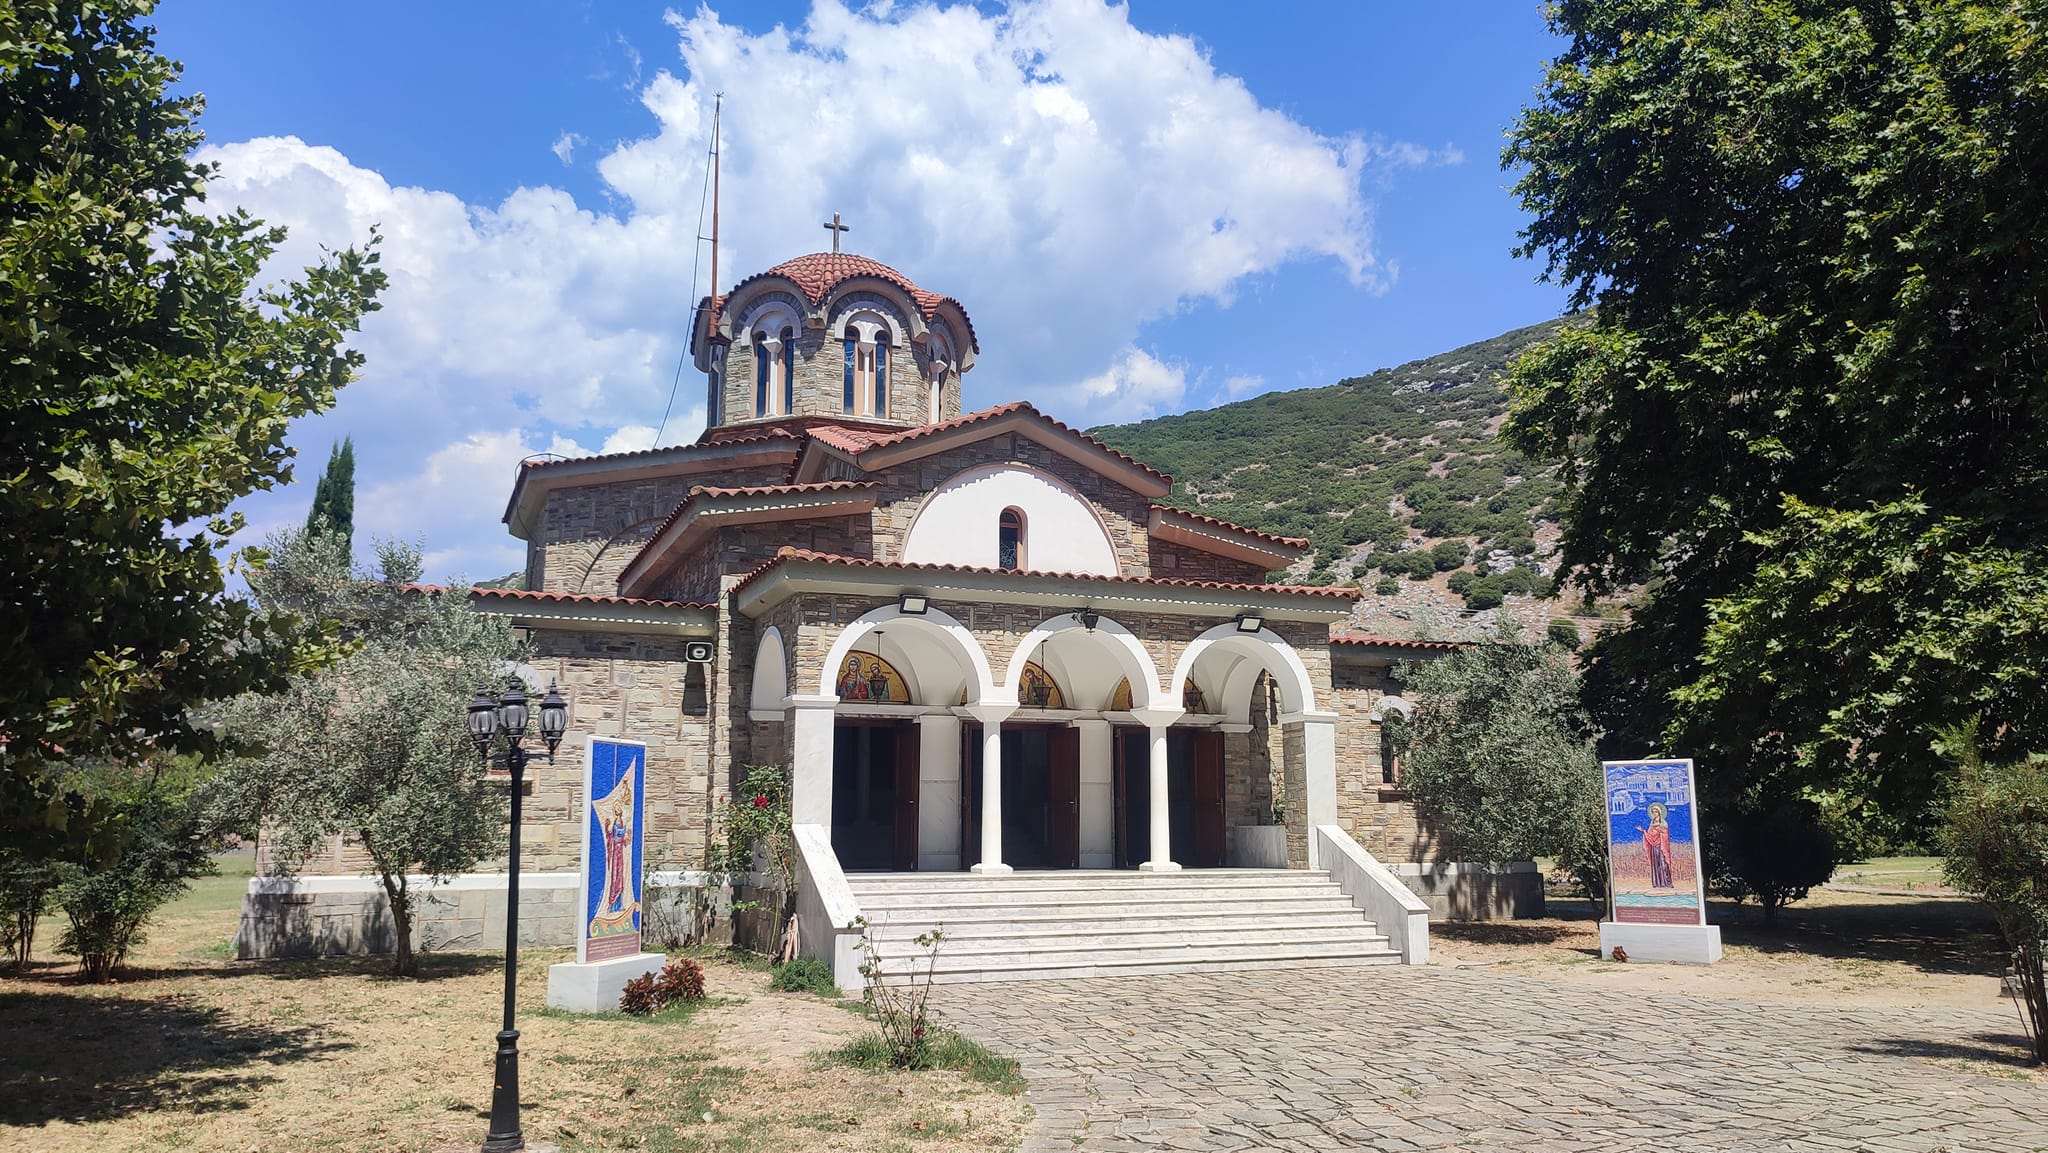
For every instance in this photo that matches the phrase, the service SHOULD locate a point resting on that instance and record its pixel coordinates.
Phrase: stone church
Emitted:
(1016, 690)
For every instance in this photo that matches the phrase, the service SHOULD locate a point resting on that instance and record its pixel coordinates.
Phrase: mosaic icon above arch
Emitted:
(1036, 689)
(867, 677)
(1120, 697)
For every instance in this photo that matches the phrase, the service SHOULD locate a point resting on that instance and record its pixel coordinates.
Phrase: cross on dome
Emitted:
(836, 228)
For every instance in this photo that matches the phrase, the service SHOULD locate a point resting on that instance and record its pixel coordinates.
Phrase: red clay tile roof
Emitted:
(1395, 642)
(701, 490)
(788, 553)
(905, 436)
(818, 273)
(764, 435)
(847, 438)
(1214, 522)
(579, 599)
(559, 598)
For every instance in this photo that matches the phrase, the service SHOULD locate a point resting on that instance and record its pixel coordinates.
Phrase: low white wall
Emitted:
(1257, 847)
(1400, 914)
(332, 916)
(826, 909)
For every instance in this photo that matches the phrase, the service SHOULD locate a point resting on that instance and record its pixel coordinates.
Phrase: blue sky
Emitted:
(1144, 209)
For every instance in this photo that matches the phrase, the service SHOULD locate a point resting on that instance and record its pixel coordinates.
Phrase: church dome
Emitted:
(832, 336)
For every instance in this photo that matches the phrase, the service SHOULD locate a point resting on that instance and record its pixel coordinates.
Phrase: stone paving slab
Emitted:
(1409, 1059)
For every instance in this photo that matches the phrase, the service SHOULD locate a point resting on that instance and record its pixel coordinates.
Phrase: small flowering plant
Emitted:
(902, 1012)
(756, 817)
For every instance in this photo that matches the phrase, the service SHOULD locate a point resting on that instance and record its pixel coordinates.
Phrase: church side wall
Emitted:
(737, 550)
(629, 687)
(1378, 816)
(1179, 562)
(590, 533)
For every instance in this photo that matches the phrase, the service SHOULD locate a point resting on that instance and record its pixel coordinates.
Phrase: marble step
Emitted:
(1085, 879)
(1102, 940)
(997, 922)
(1090, 963)
(952, 898)
(934, 908)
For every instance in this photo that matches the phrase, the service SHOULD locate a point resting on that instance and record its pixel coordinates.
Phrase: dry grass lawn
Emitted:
(193, 1051)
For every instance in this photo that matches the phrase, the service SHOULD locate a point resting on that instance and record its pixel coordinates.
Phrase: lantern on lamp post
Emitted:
(489, 719)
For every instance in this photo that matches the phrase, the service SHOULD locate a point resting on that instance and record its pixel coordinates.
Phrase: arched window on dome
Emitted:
(878, 371)
(866, 388)
(762, 372)
(788, 370)
(1010, 540)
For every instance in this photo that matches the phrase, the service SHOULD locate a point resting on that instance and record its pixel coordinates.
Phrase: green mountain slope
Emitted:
(1398, 471)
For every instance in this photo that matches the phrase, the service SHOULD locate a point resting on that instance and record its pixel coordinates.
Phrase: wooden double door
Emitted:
(874, 795)
(1194, 797)
(1041, 783)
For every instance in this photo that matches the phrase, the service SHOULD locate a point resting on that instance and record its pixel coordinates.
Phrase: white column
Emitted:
(938, 792)
(810, 799)
(991, 717)
(1098, 793)
(1156, 722)
(1319, 772)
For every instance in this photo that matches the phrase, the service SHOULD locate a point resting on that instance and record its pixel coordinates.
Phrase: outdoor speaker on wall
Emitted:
(698, 652)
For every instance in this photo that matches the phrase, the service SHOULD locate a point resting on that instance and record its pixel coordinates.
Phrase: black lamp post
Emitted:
(507, 717)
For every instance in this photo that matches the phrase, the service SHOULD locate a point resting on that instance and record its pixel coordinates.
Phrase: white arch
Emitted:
(867, 311)
(770, 317)
(771, 675)
(1125, 649)
(963, 643)
(1265, 648)
(1237, 691)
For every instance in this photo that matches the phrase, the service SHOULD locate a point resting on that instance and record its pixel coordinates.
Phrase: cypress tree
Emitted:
(334, 499)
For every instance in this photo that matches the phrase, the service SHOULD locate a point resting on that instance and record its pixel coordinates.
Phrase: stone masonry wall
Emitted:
(1180, 562)
(736, 550)
(630, 687)
(820, 388)
(1378, 816)
(590, 533)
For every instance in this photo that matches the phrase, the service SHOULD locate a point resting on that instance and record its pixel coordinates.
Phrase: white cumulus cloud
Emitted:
(1067, 176)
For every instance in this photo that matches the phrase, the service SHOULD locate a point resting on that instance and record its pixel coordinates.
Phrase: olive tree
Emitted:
(374, 746)
(1500, 754)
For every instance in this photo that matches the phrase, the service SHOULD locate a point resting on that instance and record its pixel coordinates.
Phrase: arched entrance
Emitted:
(885, 775)
(1058, 771)
(1262, 746)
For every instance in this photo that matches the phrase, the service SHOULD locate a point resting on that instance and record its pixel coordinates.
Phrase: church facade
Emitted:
(979, 641)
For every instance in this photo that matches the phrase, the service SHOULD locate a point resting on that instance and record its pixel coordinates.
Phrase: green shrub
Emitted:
(26, 890)
(1564, 631)
(1387, 586)
(1449, 554)
(804, 975)
(1774, 851)
(108, 899)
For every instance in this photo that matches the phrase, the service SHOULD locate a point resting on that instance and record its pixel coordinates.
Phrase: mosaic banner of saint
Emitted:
(615, 782)
(866, 677)
(1653, 852)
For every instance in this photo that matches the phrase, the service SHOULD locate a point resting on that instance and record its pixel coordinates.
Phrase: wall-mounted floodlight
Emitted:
(913, 604)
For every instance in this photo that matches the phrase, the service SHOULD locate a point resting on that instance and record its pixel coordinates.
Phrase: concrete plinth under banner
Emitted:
(594, 986)
(1685, 944)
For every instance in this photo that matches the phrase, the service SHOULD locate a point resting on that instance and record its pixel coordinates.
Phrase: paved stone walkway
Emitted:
(1400, 1059)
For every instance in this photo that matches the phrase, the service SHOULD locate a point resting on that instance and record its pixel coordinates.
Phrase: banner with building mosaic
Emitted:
(615, 788)
(1653, 843)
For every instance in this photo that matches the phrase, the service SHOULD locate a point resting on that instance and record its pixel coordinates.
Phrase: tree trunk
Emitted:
(399, 895)
(2032, 994)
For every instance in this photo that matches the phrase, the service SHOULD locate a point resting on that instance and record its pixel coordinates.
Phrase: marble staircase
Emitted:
(1031, 926)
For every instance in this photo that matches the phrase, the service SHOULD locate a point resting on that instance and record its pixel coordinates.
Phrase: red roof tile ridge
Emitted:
(1016, 406)
(791, 552)
(769, 434)
(783, 489)
(1393, 642)
(1219, 522)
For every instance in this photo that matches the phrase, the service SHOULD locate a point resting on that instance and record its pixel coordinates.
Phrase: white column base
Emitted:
(1159, 866)
(1684, 944)
(594, 987)
(985, 868)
